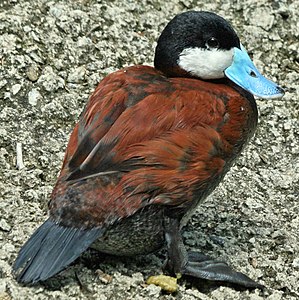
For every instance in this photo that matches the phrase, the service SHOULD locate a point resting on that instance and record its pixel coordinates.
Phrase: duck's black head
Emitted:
(204, 45)
(197, 42)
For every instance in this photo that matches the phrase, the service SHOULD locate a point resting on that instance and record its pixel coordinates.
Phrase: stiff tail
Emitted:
(50, 249)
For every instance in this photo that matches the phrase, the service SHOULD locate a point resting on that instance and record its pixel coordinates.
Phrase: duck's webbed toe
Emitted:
(204, 267)
(198, 265)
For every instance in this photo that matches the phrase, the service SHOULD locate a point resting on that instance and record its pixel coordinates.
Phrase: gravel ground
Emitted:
(53, 53)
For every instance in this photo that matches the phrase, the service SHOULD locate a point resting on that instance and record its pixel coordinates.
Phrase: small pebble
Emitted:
(105, 278)
(34, 96)
(4, 225)
(295, 263)
(15, 88)
(32, 73)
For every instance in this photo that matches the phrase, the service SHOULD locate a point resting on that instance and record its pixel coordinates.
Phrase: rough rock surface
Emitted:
(53, 53)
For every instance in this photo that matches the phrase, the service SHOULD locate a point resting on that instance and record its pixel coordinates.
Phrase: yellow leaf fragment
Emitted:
(167, 283)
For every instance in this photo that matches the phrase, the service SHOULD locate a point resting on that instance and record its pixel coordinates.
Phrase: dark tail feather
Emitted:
(50, 249)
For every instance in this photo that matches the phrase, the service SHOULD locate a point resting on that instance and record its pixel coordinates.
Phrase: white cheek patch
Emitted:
(204, 63)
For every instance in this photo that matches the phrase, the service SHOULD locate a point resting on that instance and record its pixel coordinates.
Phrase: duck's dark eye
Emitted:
(212, 43)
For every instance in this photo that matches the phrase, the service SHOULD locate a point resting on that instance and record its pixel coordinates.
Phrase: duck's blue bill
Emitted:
(244, 73)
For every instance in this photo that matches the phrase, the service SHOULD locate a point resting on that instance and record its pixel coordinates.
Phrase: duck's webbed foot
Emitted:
(199, 265)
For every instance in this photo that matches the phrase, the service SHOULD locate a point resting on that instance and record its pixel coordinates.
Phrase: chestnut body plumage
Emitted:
(150, 145)
(167, 143)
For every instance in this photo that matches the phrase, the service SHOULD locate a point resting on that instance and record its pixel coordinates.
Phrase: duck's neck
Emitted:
(243, 118)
